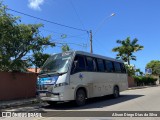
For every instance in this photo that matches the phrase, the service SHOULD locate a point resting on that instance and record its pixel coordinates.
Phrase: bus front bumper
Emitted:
(39, 92)
(50, 96)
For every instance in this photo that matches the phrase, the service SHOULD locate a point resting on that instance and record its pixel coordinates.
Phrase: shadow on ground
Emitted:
(98, 102)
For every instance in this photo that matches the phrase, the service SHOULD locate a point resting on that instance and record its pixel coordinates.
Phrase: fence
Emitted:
(131, 82)
(17, 85)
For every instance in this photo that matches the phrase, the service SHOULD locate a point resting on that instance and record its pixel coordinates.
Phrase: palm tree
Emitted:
(65, 48)
(127, 48)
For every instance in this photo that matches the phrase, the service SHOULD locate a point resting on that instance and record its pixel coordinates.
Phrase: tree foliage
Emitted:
(16, 40)
(38, 59)
(126, 49)
(130, 70)
(155, 65)
(65, 48)
(143, 80)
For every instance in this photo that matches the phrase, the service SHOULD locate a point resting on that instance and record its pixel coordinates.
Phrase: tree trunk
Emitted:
(36, 69)
(128, 60)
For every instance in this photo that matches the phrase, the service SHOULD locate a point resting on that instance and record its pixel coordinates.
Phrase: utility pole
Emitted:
(91, 48)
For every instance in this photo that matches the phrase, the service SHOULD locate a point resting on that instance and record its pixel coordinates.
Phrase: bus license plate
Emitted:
(42, 94)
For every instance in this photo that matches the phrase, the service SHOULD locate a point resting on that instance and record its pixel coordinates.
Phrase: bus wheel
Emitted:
(80, 97)
(116, 92)
(51, 103)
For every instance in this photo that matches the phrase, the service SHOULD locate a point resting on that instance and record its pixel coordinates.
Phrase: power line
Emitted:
(82, 45)
(52, 23)
(70, 36)
(78, 16)
(80, 20)
(47, 30)
(46, 20)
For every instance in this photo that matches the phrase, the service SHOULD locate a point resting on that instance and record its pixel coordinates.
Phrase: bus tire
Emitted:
(116, 92)
(52, 103)
(80, 97)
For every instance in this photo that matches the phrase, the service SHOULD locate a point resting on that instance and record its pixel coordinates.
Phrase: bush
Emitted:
(142, 80)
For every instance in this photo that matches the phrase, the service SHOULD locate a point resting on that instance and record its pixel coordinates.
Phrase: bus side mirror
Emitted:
(75, 64)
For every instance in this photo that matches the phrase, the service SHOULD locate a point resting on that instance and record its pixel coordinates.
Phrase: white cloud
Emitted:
(35, 4)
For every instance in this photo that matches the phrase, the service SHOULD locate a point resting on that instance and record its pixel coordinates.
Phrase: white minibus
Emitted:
(78, 75)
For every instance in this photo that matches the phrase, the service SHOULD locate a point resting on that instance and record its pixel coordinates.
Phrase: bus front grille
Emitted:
(44, 87)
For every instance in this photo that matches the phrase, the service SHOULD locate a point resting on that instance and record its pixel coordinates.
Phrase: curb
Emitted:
(141, 87)
(17, 103)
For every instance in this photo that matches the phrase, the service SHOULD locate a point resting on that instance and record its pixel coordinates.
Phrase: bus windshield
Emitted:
(57, 63)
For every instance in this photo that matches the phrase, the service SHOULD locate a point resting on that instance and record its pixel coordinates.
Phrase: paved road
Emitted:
(147, 99)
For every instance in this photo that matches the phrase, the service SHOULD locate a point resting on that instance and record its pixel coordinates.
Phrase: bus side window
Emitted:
(78, 64)
(90, 64)
(109, 66)
(117, 67)
(100, 65)
(94, 65)
(123, 69)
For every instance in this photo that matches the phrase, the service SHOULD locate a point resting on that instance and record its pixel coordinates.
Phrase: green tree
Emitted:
(139, 72)
(130, 70)
(38, 59)
(65, 48)
(16, 40)
(155, 65)
(126, 49)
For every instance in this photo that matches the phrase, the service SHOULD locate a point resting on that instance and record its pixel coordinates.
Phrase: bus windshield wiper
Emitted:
(52, 73)
(58, 73)
(61, 73)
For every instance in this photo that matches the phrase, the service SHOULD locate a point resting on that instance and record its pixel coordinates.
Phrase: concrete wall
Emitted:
(158, 79)
(131, 82)
(17, 85)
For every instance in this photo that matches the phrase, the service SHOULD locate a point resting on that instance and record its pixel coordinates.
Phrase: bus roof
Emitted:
(97, 56)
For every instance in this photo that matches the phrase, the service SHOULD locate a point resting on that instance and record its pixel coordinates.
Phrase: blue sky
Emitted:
(135, 18)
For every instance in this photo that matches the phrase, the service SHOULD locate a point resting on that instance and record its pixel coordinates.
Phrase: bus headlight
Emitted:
(60, 84)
